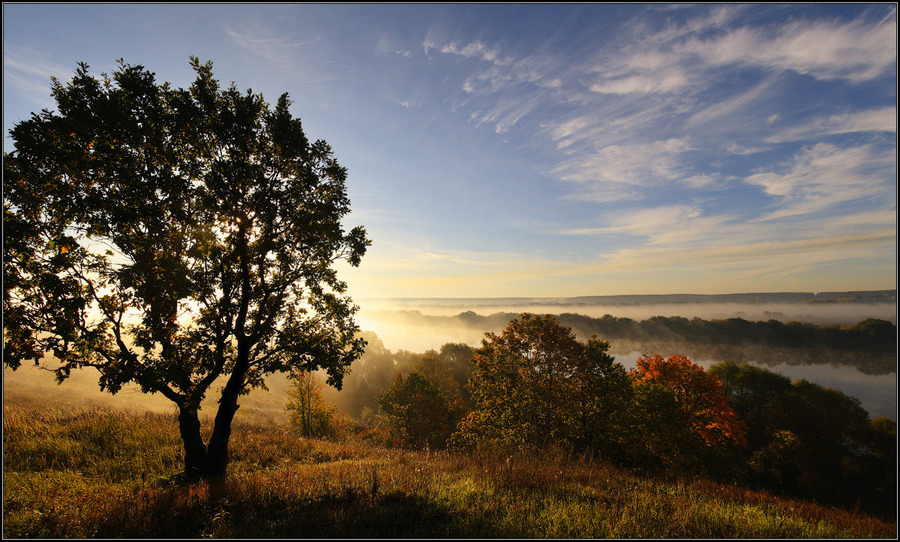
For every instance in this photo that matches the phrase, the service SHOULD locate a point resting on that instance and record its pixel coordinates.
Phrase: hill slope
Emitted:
(100, 473)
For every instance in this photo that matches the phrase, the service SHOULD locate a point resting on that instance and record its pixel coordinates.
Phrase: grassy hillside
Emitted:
(72, 472)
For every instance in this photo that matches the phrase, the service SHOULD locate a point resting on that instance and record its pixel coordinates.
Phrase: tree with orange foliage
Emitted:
(688, 423)
(699, 395)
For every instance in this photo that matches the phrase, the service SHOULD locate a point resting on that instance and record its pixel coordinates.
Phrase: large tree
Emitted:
(535, 386)
(172, 238)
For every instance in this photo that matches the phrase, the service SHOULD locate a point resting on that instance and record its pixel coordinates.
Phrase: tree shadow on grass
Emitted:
(182, 513)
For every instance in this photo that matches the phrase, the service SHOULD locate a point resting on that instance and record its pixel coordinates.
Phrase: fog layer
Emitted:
(398, 325)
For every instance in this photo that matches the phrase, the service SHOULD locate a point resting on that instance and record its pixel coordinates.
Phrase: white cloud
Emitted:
(644, 83)
(475, 49)
(671, 225)
(730, 106)
(874, 120)
(824, 176)
(854, 51)
(623, 171)
(734, 148)
(29, 72)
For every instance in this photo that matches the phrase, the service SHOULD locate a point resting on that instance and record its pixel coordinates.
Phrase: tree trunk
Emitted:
(217, 452)
(203, 461)
(195, 453)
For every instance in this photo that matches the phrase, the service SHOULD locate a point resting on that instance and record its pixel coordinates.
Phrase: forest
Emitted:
(869, 345)
(535, 386)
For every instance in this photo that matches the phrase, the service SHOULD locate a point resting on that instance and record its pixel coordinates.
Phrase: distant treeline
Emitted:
(870, 345)
(870, 335)
(859, 297)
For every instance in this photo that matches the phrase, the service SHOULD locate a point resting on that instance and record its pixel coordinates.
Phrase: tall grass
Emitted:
(100, 473)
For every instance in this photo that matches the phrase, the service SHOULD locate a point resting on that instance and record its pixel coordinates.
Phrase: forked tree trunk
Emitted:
(210, 461)
(217, 451)
(202, 461)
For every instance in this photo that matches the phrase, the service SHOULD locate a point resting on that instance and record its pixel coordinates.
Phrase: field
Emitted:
(97, 472)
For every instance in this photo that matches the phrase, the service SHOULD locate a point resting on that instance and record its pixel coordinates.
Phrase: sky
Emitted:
(551, 150)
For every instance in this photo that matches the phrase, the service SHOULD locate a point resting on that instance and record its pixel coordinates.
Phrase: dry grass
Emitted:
(104, 473)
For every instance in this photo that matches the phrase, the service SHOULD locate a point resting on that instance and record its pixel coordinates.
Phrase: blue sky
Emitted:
(552, 150)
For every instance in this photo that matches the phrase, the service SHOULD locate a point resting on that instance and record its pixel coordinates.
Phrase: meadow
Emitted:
(82, 472)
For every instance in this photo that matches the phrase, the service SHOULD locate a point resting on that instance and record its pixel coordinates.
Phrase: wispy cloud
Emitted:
(628, 119)
(854, 51)
(29, 72)
(740, 103)
(309, 60)
(623, 171)
(750, 260)
(825, 176)
(475, 49)
(873, 120)
(674, 225)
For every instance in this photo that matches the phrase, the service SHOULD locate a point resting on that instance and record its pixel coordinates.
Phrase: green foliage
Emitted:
(811, 441)
(536, 385)
(170, 237)
(753, 392)
(416, 412)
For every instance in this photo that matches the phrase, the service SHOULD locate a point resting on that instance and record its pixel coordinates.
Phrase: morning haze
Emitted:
(450, 270)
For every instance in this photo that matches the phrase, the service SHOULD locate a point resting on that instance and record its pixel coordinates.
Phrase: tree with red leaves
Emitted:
(699, 395)
(682, 417)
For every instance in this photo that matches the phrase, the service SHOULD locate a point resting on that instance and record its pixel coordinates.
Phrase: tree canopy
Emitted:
(535, 385)
(171, 237)
(698, 394)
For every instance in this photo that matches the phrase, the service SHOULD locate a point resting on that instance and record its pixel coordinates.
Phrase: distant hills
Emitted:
(876, 296)
(872, 296)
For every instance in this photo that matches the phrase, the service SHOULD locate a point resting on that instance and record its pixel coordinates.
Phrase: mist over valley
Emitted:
(865, 372)
(408, 327)
(419, 324)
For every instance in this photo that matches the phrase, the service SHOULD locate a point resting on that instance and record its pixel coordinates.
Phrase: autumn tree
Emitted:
(535, 385)
(174, 237)
(688, 420)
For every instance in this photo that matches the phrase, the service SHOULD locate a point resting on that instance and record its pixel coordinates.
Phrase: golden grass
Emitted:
(104, 473)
